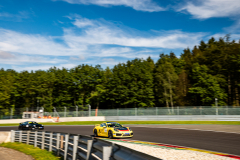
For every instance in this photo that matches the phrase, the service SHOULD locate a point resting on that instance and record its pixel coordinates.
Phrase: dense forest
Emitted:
(195, 78)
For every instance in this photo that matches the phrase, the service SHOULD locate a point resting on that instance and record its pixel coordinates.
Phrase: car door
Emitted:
(99, 129)
(103, 129)
(30, 124)
(25, 125)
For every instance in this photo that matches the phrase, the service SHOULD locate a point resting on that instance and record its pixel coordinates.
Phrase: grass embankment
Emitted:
(36, 153)
(136, 122)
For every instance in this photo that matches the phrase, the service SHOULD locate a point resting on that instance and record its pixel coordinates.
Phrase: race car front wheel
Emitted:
(95, 133)
(110, 135)
(31, 128)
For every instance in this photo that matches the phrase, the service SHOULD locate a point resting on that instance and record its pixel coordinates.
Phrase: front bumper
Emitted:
(122, 135)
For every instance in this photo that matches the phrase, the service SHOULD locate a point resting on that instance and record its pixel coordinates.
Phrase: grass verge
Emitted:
(136, 122)
(36, 153)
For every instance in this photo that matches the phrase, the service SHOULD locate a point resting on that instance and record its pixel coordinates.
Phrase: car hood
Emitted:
(122, 129)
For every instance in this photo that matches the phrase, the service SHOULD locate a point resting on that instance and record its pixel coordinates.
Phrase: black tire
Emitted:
(110, 135)
(95, 133)
(31, 128)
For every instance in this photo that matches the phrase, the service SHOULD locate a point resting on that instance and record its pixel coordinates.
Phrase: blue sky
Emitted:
(39, 34)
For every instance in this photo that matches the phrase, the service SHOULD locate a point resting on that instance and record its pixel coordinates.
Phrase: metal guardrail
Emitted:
(75, 146)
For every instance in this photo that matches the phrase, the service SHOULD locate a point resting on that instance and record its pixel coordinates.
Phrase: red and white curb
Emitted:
(172, 147)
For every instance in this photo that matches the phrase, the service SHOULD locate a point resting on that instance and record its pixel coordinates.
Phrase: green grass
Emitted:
(136, 122)
(36, 153)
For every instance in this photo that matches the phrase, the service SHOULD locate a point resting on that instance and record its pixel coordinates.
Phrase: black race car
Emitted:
(30, 125)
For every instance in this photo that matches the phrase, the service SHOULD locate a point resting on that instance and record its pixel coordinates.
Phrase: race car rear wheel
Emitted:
(95, 133)
(110, 135)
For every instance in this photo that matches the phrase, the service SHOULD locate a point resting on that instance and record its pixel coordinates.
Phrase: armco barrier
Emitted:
(74, 146)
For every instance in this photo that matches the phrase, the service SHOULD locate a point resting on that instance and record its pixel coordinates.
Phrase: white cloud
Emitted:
(95, 38)
(213, 8)
(11, 41)
(14, 17)
(77, 58)
(222, 35)
(44, 67)
(140, 5)
(83, 23)
(6, 55)
(101, 34)
(88, 42)
(235, 28)
(19, 59)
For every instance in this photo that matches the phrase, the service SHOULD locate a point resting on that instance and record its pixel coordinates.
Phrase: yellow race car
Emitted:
(112, 130)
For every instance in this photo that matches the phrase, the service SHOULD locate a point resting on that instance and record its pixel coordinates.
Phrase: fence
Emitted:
(74, 146)
(191, 110)
(222, 110)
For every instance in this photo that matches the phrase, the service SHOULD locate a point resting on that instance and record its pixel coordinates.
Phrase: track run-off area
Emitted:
(216, 138)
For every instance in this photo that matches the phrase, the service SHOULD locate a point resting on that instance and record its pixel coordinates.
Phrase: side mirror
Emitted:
(104, 126)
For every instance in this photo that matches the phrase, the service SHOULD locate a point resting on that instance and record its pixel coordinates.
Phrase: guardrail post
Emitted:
(12, 135)
(66, 146)
(28, 132)
(20, 136)
(58, 142)
(35, 139)
(89, 149)
(75, 146)
(50, 141)
(107, 151)
(43, 139)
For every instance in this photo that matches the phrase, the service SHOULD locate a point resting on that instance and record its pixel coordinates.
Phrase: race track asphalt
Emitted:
(206, 140)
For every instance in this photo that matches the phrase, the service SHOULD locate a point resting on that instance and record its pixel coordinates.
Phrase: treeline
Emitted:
(208, 71)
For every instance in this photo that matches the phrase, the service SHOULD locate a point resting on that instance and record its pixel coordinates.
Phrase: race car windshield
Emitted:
(114, 125)
(33, 123)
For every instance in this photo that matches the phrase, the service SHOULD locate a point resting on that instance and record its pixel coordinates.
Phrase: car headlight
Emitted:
(116, 130)
(26, 125)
